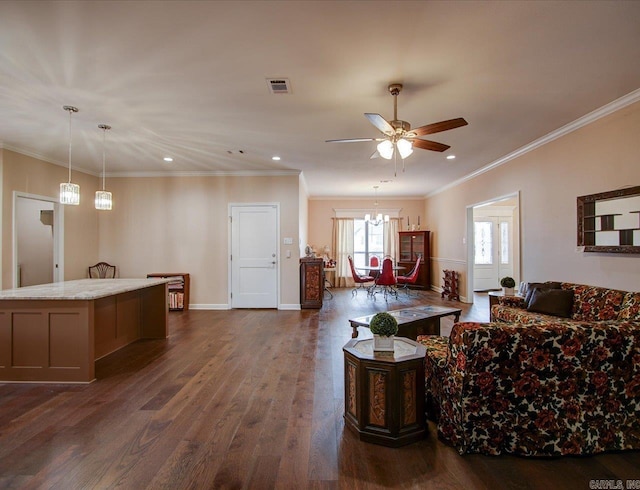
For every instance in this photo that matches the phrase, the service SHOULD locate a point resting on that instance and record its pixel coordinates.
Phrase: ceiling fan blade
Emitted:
(429, 145)
(380, 122)
(352, 140)
(375, 154)
(440, 126)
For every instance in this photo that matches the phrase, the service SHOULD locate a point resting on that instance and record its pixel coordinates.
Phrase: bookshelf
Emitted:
(178, 289)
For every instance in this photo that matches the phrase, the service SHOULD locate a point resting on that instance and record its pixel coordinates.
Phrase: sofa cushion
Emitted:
(518, 315)
(592, 303)
(630, 309)
(531, 287)
(434, 369)
(556, 302)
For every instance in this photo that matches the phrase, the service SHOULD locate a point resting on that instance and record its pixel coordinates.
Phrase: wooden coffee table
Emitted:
(418, 320)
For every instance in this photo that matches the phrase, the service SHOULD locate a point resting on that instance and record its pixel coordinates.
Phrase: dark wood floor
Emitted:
(245, 399)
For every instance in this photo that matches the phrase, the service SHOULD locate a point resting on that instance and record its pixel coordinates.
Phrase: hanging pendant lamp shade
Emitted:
(104, 199)
(69, 192)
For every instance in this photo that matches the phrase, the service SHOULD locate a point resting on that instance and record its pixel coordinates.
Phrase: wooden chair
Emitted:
(102, 270)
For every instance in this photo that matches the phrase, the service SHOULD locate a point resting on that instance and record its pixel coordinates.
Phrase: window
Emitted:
(483, 246)
(368, 240)
(504, 242)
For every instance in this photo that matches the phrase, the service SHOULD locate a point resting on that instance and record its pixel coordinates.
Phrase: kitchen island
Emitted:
(55, 332)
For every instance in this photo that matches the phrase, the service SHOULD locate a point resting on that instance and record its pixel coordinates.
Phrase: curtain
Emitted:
(343, 245)
(390, 238)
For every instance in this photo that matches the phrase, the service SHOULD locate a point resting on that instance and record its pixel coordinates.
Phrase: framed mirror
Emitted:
(610, 221)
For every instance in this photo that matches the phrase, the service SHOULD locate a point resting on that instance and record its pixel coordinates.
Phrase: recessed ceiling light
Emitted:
(168, 159)
(451, 157)
(276, 158)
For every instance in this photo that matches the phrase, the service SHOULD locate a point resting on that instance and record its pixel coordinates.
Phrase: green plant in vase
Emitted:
(508, 283)
(384, 327)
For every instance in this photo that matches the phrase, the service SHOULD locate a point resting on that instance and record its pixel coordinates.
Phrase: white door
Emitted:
(493, 251)
(254, 256)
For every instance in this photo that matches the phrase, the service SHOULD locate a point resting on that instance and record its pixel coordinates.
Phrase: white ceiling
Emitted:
(188, 79)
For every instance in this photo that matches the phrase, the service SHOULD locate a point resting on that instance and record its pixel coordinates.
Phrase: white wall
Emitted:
(180, 224)
(32, 176)
(600, 157)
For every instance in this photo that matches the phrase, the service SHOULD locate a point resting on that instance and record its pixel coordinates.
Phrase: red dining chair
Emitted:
(374, 263)
(387, 280)
(358, 279)
(411, 278)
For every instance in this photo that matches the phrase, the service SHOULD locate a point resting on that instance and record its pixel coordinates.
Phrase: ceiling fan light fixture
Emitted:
(385, 148)
(405, 148)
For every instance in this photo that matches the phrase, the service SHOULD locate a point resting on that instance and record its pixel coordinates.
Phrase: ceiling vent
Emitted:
(279, 85)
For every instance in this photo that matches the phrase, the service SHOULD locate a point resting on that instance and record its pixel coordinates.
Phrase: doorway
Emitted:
(254, 267)
(493, 228)
(37, 240)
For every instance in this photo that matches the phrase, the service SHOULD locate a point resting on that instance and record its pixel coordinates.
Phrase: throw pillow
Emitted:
(556, 302)
(531, 286)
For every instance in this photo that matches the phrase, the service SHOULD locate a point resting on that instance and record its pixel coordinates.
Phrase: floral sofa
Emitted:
(549, 387)
(586, 304)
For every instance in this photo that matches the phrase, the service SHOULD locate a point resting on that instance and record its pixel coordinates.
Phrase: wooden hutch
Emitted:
(414, 244)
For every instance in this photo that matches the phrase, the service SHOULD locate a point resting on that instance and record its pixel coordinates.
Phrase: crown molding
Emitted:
(38, 156)
(205, 173)
(616, 105)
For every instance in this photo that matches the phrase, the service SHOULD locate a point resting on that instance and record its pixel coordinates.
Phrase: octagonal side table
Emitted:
(384, 393)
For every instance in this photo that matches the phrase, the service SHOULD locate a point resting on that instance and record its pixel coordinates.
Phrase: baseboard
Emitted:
(292, 306)
(209, 307)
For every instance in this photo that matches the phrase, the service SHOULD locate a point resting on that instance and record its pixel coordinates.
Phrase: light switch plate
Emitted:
(288, 241)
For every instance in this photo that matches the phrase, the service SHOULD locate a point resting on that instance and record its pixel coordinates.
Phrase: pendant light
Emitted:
(103, 198)
(377, 218)
(70, 193)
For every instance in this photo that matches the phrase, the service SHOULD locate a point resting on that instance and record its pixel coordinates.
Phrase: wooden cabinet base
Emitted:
(59, 340)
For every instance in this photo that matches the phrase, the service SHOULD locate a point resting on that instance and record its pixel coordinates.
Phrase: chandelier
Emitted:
(69, 192)
(103, 198)
(376, 218)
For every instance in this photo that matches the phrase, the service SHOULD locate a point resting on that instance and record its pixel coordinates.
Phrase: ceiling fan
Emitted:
(398, 134)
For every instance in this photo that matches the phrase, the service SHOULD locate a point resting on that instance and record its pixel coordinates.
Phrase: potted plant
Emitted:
(508, 283)
(384, 327)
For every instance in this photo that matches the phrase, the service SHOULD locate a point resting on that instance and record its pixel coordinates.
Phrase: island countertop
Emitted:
(80, 289)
